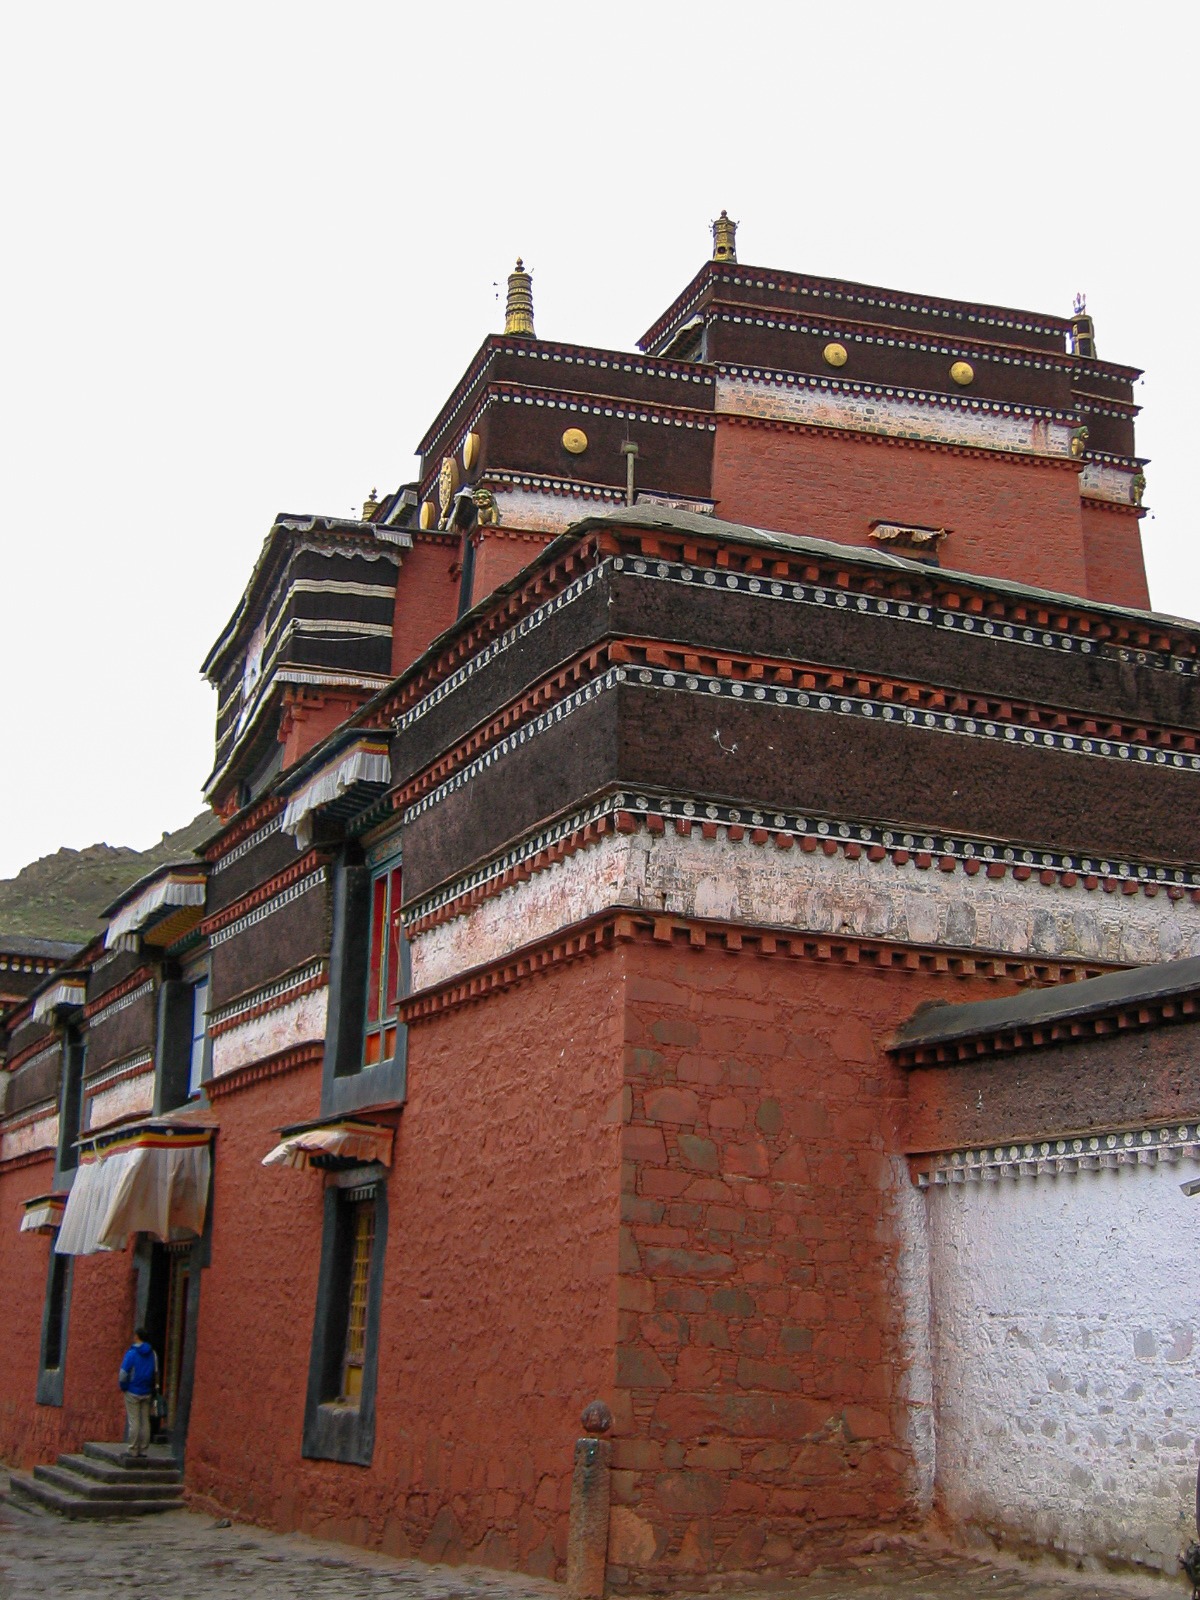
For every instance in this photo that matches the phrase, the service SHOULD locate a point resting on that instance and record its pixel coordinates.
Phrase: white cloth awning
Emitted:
(366, 761)
(149, 1179)
(44, 1214)
(174, 890)
(71, 992)
(346, 1140)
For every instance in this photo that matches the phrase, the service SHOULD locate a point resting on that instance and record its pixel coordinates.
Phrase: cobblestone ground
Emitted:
(181, 1556)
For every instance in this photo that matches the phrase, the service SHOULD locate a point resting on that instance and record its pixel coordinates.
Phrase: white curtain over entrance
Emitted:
(147, 1181)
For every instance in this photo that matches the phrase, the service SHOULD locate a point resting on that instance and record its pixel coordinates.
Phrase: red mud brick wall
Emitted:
(502, 1260)
(1007, 520)
(97, 1336)
(499, 1311)
(1112, 543)
(426, 597)
(257, 1302)
(760, 1414)
(500, 555)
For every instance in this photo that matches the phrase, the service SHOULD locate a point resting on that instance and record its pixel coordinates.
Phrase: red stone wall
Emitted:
(502, 1258)
(760, 1418)
(257, 1301)
(500, 555)
(1112, 545)
(310, 716)
(97, 1336)
(426, 596)
(1008, 520)
(499, 1312)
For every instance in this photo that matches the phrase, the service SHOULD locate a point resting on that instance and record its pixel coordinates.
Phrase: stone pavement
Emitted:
(182, 1556)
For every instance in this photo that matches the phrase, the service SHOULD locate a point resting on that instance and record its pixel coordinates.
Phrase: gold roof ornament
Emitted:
(724, 234)
(518, 307)
(370, 506)
(1083, 330)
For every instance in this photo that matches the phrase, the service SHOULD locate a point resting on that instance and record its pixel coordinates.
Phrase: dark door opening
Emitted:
(168, 1327)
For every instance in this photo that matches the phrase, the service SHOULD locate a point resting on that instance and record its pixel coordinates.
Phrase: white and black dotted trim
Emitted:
(639, 366)
(858, 706)
(523, 735)
(244, 846)
(278, 990)
(529, 480)
(624, 412)
(43, 1055)
(122, 1004)
(142, 1059)
(929, 345)
(956, 847)
(268, 908)
(905, 610)
(888, 711)
(512, 636)
(956, 402)
(1041, 1158)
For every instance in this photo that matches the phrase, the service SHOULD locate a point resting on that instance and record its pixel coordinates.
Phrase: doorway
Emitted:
(169, 1294)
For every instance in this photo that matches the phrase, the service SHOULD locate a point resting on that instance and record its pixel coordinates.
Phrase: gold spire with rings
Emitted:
(724, 234)
(518, 307)
(1083, 330)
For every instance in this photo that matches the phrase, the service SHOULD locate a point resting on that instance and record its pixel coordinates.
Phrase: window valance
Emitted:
(149, 1177)
(341, 1142)
(355, 774)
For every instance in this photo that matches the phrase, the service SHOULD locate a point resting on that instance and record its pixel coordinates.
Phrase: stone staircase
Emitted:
(101, 1482)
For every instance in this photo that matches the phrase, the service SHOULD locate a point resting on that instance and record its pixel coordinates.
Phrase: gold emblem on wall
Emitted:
(470, 451)
(447, 484)
(428, 514)
(836, 354)
(575, 440)
(963, 373)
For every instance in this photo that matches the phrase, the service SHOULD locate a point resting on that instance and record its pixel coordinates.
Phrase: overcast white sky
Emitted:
(248, 249)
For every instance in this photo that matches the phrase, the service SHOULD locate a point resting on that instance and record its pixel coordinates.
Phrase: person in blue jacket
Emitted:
(138, 1379)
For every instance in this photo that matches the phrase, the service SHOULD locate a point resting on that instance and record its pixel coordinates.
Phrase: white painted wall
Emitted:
(740, 881)
(1065, 1323)
(300, 1021)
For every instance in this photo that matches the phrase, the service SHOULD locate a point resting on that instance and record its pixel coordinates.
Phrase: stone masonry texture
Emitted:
(761, 1396)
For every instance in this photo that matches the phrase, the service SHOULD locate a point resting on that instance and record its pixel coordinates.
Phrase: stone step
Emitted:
(134, 1486)
(103, 1470)
(117, 1455)
(29, 1492)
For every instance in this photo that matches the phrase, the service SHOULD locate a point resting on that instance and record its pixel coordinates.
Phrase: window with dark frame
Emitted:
(362, 1235)
(56, 1296)
(366, 1040)
(339, 1408)
(196, 1066)
(385, 968)
(56, 1310)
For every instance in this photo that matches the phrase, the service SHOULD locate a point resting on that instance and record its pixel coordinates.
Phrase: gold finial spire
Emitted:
(1083, 330)
(518, 308)
(724, 234)
(370, 506)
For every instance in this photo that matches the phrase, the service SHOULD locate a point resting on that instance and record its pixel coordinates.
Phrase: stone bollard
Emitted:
(587, 1535)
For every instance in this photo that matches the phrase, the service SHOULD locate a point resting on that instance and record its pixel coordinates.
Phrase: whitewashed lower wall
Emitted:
(740, 881)
(126, 1097)
(33, 1133)
(300, 1021)
(1065, 1340)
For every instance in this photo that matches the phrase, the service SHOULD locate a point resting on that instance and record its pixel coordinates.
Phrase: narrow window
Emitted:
(385, 970)
(56, 1296)
(339, 1409)
(56, 1312)
(362, 1242)
(199, 1036)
